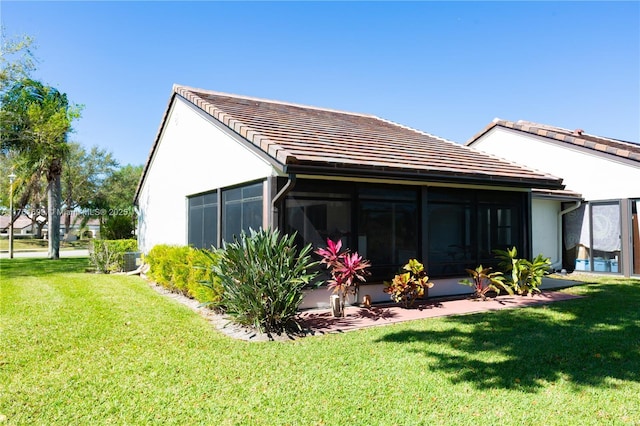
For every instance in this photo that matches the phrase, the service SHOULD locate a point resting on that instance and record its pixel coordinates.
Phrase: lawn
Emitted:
(104, 349)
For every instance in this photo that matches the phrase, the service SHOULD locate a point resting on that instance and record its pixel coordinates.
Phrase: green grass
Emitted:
(100, 349)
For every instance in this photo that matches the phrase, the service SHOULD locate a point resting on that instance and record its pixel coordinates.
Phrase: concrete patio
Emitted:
(321, 321)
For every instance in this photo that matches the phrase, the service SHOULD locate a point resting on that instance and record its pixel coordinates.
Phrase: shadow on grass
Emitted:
(11, 268)
(584, 341)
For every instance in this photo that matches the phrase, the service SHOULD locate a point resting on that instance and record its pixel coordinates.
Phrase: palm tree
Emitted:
(34, 121)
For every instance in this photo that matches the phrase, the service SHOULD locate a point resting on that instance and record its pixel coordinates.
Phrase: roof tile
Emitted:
(297, 135)
(578, 137)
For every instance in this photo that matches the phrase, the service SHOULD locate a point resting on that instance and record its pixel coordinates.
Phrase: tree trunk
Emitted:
(53, 193)
(67, 222)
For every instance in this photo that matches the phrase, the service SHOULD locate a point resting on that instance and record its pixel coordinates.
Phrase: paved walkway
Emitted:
(321, 321)
(43, 254)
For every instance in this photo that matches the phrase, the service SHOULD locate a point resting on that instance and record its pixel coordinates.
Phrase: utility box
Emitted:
(131, 260)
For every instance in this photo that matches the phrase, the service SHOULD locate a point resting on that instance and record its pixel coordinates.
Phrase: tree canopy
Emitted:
(35, 121)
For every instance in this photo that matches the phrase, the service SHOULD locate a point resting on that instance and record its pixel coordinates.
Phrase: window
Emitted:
(592, 237)
(451, 238)
(381, 222)
(203, 220)
(464, 227)
(241, 210)
(635, 236)
(318, 215)
(606, 243)
(388, 224)
(385, 224)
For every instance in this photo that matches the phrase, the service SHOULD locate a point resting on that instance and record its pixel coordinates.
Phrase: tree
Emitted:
(84, 172)
(116, 197)
(29, 191)
(16, 60)
(35, 121)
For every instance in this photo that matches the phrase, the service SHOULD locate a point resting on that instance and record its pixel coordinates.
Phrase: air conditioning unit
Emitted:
(131, 261)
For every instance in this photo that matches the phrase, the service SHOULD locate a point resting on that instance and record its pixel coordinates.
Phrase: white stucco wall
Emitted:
(193, 156)
(544, 229)
(443, 287)
(589, 174)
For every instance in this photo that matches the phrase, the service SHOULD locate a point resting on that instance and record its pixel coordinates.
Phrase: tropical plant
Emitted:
(524, 276)
(484, 281)
(407, 286)
(262, 276)
(347, 269)
(34, 123)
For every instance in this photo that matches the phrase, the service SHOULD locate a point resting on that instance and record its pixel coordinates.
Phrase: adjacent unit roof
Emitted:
(21, 222)
(577, 137)
(306, 139)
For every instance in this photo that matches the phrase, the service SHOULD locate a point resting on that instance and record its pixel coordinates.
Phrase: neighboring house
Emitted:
(598, 230)
(223, 163)
(80, 227)
(21, 226)
(24, 226)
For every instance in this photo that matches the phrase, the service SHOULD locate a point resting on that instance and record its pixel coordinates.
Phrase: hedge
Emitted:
(183, 269)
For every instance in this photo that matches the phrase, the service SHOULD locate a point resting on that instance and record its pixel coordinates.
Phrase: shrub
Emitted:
(161, 259)
(408, 286)
(203, 284)
(347, 269)
(522, 275)
(262, 276)
(484, 281)
(183, 270)
(108, 255)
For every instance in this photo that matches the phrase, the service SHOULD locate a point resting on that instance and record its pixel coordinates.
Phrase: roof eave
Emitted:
(154, 146)
(422, 176)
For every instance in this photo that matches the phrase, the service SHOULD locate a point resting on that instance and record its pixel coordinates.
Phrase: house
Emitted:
(222, 163)
(598, 230)
(21, 226)
(25, 226)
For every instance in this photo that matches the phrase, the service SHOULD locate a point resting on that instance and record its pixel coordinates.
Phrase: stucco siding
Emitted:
(590, 174)
(544, 229)
(319, 298)
(192, 156)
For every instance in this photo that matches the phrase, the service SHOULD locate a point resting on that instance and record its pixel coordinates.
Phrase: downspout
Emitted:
(558, 264)
(136, 209)
(278, 197)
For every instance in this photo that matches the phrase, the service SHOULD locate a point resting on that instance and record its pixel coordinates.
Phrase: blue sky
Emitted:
(447, 68)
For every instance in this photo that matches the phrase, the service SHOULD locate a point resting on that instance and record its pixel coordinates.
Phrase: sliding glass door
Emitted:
(635, 236)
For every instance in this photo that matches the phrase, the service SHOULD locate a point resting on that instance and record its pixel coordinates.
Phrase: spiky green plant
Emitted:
(263, 275)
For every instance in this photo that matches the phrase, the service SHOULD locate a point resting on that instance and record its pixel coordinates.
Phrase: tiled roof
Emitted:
(20, 222)
(578, 137)
(560, 194)
(23, 221)
(305, 139)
